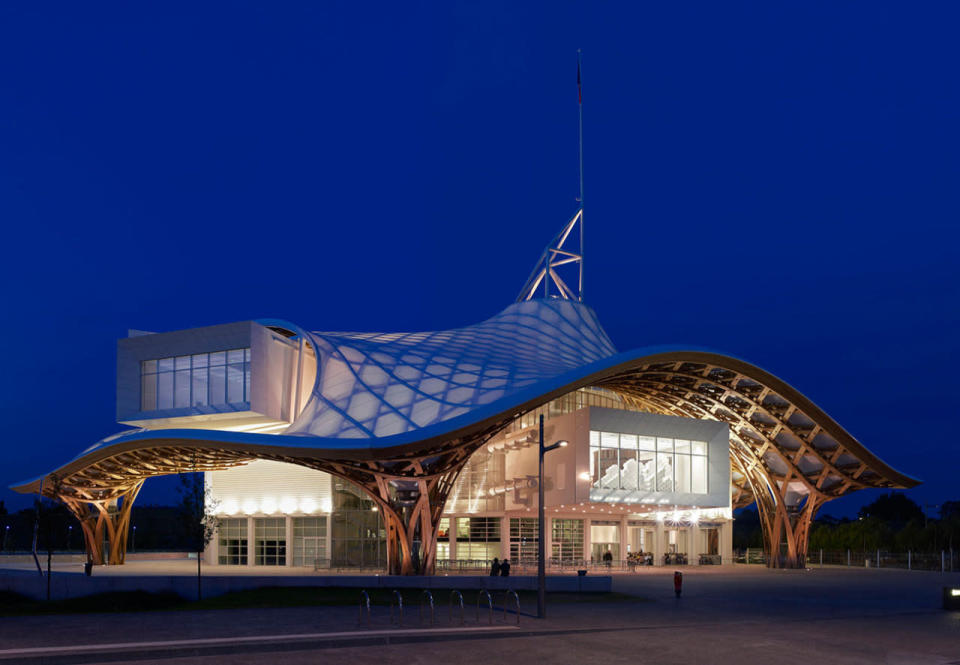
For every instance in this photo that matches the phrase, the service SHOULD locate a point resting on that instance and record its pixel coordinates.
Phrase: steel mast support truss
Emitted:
(555, 255)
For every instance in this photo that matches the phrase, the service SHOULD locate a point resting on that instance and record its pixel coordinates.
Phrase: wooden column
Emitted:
(108, 518)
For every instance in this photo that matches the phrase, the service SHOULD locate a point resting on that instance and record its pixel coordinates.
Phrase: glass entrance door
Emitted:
(312, 547)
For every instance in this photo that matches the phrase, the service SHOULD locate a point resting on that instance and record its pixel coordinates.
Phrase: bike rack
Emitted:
(430, 599)
(459, 596)
(484, 592)
(396, 600)
(364, 603)
(516, 601)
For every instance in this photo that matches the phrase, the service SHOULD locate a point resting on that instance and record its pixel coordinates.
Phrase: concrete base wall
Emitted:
(70, 585)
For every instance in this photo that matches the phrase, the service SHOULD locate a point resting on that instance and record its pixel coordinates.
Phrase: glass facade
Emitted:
(200, 379)
(647, 463)
(484, 471)
(310, 541)
(604, 538)
(569, 403)
(524, 536)
(270, 541)
(567, 540)
(232, 537)
(478, 538)
(358, 537)
(443, 539)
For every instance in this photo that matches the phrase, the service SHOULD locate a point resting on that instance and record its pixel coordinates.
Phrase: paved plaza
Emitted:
(736, 614)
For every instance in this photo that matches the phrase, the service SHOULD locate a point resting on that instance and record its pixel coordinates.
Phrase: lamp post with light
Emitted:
(541, 540)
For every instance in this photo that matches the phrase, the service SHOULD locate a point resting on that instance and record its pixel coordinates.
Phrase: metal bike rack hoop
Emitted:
(364, 604)
(429, 597)
(459, 596)
(516, 601)
(484, 592)
(396, 600)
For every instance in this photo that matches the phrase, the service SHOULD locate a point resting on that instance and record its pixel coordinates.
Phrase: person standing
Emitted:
(495, 568)
(505, 568)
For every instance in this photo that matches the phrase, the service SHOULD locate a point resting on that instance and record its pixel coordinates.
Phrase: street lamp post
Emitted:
(70, 538)
(541, 540)
(134, 548)
(6, 530)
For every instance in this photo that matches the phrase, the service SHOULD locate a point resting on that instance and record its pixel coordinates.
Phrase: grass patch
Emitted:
(12, 604)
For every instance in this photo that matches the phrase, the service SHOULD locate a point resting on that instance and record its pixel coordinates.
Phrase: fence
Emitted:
(946, 561)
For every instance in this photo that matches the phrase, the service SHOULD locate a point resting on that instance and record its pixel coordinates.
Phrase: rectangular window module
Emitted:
(524, 536)
(478, 538)
(271, 541)
(567, 540)
(232, 535)
(310, 542)
(200, 379)
(646, 463)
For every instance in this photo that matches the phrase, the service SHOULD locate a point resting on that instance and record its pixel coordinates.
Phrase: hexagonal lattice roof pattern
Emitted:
(377, 385)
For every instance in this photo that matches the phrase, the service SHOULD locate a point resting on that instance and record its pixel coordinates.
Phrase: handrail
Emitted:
(484, 592)
(364, 602)
(459, 597)
(516, 600)
(396, 600)
(429, 596)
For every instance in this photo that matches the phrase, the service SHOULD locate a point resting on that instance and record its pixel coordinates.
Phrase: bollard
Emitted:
(909, 560)
(848, 558)
(677, 582)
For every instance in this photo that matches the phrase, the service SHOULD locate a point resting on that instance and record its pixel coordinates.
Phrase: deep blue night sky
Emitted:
(778, 183)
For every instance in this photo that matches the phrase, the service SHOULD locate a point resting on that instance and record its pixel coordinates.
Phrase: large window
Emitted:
(567, 540)
(198, 380)
(310, 541)
(443, 539)
(471, 494)
(358, 535)
(646, 463)
(232, 534)
(271, 541)
(478, 538)
(524, 536)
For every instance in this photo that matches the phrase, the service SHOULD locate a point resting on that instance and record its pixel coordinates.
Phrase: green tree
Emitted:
(894, 509)
(198, 518)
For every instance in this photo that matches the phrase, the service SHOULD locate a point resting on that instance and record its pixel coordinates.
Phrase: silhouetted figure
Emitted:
(505, 568)
(608, 558)
(495, 568)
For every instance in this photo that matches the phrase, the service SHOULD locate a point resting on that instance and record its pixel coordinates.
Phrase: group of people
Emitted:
(500, 568)
(640, 558)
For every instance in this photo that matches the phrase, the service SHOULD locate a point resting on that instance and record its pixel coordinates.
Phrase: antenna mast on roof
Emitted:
(555, 255)
(580, 137)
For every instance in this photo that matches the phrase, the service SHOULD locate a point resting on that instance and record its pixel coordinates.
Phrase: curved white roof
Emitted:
(373, 385)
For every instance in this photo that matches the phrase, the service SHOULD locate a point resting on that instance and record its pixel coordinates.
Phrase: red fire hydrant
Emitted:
(677, 583)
